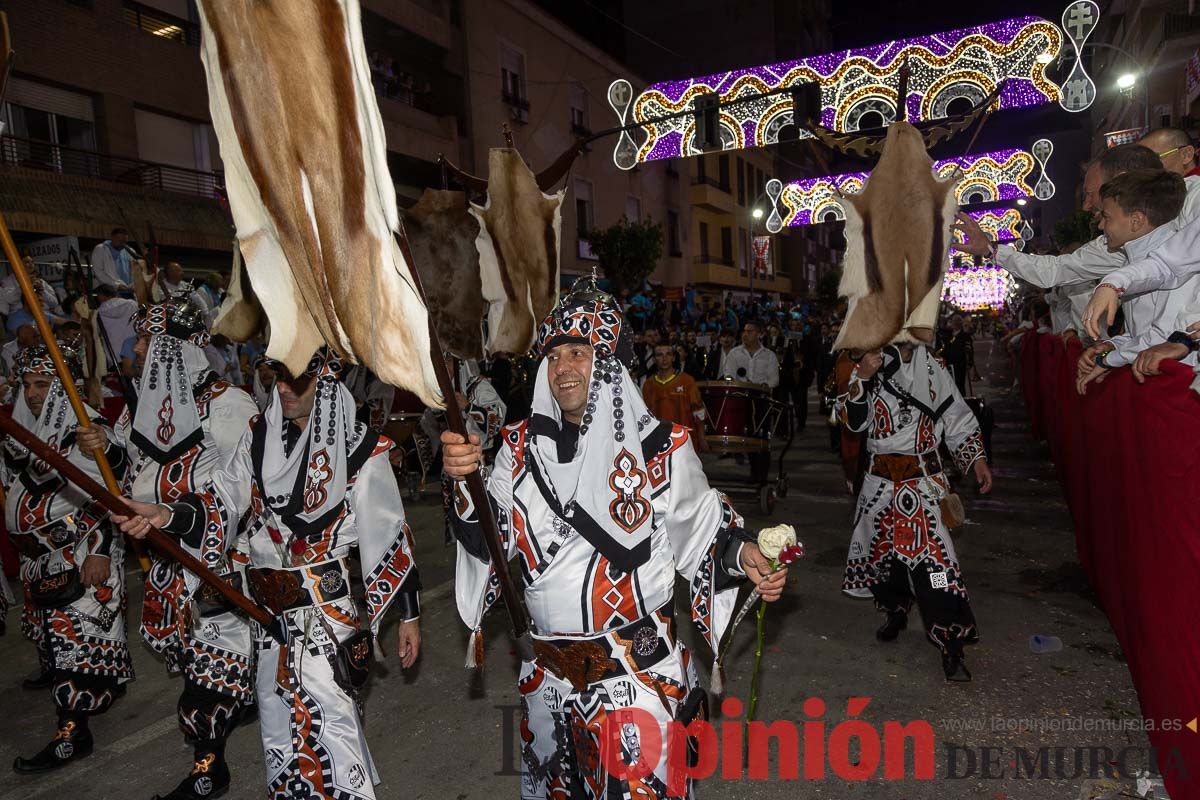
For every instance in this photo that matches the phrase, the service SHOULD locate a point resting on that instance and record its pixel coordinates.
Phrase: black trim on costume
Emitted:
(289, 513)
(622, 558)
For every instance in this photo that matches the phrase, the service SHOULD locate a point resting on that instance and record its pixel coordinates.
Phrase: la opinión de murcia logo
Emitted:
(852, 750)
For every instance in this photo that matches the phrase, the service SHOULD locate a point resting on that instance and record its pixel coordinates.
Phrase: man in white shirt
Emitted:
(1092, 261)
(112, 263)
(10, 291)
(750, 362)
(116, 314)
(26, 336)
(1137, 210)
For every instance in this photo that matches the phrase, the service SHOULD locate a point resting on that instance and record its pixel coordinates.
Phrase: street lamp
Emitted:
(1022, 201)
(1044, 58)
(1126, 81)
(757, 213)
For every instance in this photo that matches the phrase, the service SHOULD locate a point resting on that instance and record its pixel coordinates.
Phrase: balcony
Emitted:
(711, 195)
(414, 132)
(48, 157)
(161, 24)
(57, 190)
(429, 19)
(715, 270)
(1179, 24)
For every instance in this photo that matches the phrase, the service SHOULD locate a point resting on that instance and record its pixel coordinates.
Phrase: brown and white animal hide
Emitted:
(144, 277)
(441, 236)
(306, 174)
(518, 251)
(897, 246)
(240, 315)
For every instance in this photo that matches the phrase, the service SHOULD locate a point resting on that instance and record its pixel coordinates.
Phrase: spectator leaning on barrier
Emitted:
(1135, 211)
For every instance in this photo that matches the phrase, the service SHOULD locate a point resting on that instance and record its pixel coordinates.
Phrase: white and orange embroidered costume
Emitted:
(600, 518)
(188, 422)
(901, 547)
(313, 495)
(80, 635)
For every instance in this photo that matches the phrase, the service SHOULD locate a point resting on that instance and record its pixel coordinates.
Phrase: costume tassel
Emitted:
(717, 686)
(475, 649)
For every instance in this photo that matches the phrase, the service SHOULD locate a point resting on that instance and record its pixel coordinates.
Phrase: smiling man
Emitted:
(601, 504)
(71, 565)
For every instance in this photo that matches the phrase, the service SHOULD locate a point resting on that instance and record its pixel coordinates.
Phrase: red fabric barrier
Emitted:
(1130, 464)
(1030, 379)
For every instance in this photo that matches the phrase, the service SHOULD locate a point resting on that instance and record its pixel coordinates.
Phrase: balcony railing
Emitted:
(34, 154)
(1177, 25)
(160, 23)
(708, 180)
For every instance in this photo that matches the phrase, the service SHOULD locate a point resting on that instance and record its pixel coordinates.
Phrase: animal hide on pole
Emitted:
(520, 228)
(442, 235)
(897, 247)
(519, 231)
(240, 315)
(308, 185)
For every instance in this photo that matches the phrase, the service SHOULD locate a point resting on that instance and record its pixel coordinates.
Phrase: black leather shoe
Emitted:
(890, 629)
(69, 744)
(43, 680)
(955, 668)
(209, 778)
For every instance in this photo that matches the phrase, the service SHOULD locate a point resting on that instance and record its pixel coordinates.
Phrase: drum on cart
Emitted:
(741, 417)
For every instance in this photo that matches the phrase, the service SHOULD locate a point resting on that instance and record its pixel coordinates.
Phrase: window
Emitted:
(170, 140)
(512, 77)
(723, 171)
(167, 19)
(727, 246)
(633, 208)
(579, 115)
(585, 219)
(673, 248)
(49, 126)
(704, 241)
(743, 250)
(741, 182)
(700, 173)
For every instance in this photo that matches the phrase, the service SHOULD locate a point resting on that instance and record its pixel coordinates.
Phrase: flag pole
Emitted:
(60, 365)
(517, 614)
(113, 502)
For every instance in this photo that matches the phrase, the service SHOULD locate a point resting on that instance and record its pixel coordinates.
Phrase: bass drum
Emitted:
(739, 416)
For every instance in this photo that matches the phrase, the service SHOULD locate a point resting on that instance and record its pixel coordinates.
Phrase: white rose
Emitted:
(774, 539)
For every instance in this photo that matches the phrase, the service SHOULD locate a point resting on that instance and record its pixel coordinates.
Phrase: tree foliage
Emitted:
(1075, 229)
(628, 252)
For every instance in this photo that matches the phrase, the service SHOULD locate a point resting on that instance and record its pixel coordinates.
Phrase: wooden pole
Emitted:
(517, 614)
(47, 333)
(114, 503)
(34, 302)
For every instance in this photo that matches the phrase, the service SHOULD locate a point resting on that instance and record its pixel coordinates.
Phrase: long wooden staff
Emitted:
(60, 366)
(160, 540)
(517, 614)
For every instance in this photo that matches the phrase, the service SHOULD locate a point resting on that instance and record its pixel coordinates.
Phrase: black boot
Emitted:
(72, 742)
(890, 629)
(209, 778)
(43, 680)
(954, 664)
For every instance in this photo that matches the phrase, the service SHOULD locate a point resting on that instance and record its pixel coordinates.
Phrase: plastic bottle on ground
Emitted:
(1039, 643)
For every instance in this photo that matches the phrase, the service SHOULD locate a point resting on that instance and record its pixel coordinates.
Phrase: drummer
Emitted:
(750, 362)
(672, 395)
